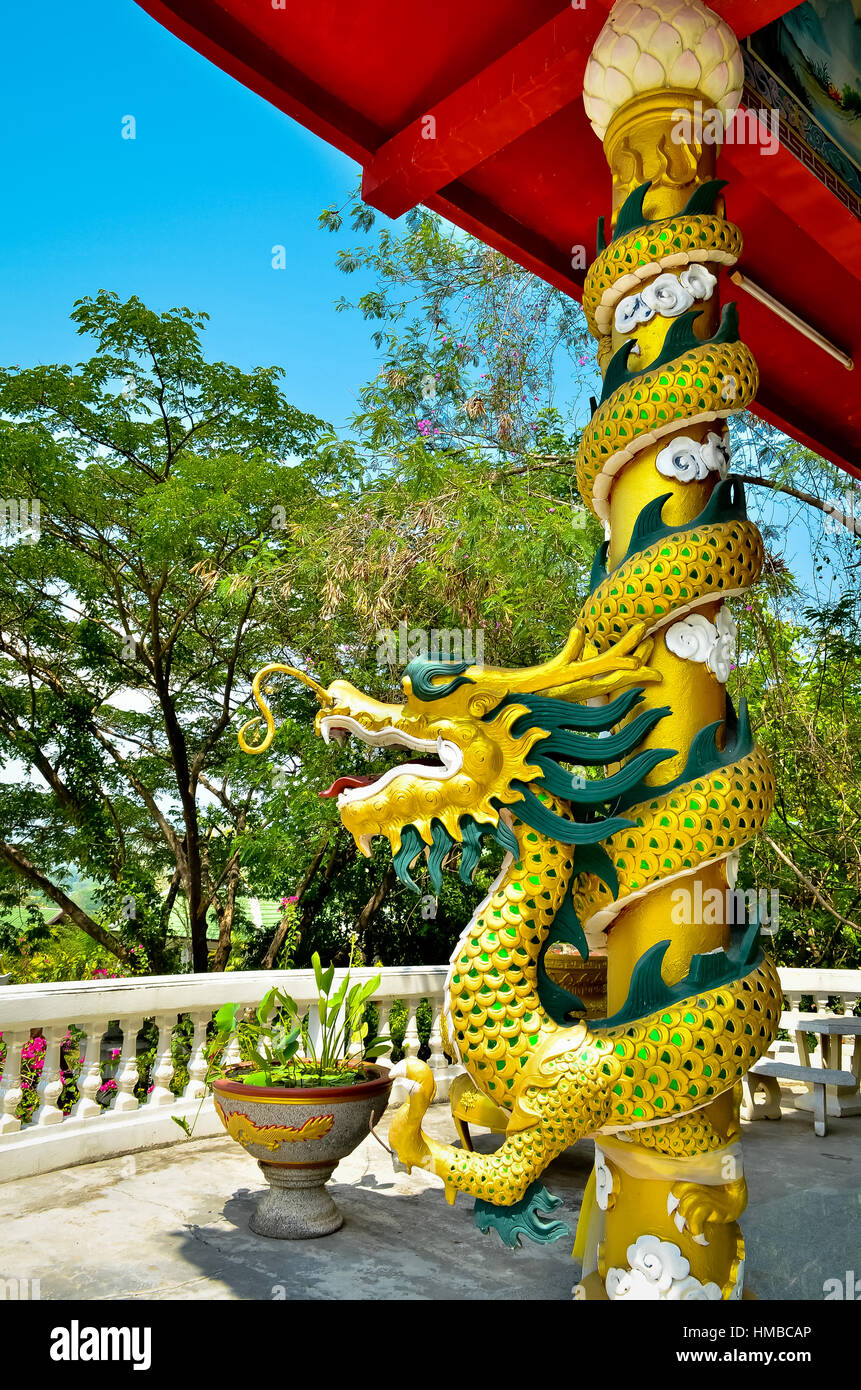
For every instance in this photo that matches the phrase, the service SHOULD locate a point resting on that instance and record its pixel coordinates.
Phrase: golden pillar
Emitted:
(657, 76)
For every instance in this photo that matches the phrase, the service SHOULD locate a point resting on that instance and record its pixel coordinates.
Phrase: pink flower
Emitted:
(294, 898)
(115, 1052)
(581, 361)
(25, 1085)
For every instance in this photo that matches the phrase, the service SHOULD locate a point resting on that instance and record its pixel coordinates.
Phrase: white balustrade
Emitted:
(822, 986)
(411, 1042)
(384, 1009)
(90, 1078)
(128, 1123)
(163, 1068)
(109, 1121)
(10, 1083)
(50, 1085)
(127, 1073)
(197, 1064)
(437, 1060)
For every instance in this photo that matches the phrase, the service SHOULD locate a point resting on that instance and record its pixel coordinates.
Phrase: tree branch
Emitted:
(18, 861)
(810, 886)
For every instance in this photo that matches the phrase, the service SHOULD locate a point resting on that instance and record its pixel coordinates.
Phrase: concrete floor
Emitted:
(173, 1224)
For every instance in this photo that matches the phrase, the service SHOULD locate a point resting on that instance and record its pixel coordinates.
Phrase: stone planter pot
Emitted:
(298, 1135)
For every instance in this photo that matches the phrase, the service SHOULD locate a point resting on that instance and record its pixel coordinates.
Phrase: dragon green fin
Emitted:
(745, 941)
(532, 811)
(557, 1002)
(473, 834)
(567, 929)
(505, 836)
(617, 371)
(442, 843)
(523, 1218)
(600, 238)
(579, 748)
(728, 330)
(631, 213)
(422, 674)
(706, 969)
(599, 566)
(594, 859)
(412, 845)
(704, 756)
(648, 993)
(680, 339)
(602, 789)
(726, 503)
(703, 197)
(649, 523)
(550, 714)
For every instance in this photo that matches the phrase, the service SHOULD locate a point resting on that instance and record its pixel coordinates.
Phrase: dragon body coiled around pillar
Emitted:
(557, 763)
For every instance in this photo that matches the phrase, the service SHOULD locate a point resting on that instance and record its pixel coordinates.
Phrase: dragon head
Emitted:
(477, 740)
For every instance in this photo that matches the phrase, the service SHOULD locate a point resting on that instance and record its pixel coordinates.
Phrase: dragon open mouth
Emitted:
(444, 759)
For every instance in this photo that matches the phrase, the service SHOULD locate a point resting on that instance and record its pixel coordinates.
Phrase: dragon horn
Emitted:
(567, 671)
(265, 713)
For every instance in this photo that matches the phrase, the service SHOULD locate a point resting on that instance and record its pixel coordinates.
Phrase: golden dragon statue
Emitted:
(589, 858)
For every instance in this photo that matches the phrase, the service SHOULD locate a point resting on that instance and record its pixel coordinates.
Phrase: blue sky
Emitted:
(186, 213)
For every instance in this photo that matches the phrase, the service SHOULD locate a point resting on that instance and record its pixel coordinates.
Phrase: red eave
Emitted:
(475, 111)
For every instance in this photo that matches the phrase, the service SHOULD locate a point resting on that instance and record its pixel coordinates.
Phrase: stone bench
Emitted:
(765, 1075)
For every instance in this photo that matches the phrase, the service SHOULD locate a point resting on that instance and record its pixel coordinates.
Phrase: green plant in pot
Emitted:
(300, 1100)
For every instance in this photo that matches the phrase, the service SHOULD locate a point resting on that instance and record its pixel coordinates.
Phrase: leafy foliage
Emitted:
(195, 525)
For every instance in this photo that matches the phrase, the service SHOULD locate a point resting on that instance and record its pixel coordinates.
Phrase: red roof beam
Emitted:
(518, 91)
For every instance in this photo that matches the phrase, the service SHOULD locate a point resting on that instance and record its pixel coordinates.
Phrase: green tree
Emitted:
(123, 659)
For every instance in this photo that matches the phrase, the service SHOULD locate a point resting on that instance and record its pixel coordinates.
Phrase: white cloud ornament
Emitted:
(658, 1271)
(682, 460)
(698, 281)
(715, 453)
(631, 311)
(719, 660)
(691, 639)
(667, 295)
(604, 1184)
(696, 639)
(689, 460)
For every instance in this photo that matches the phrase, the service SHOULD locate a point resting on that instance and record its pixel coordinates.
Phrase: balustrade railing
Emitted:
(813, 991)
(832, 991)
(61, 1023)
